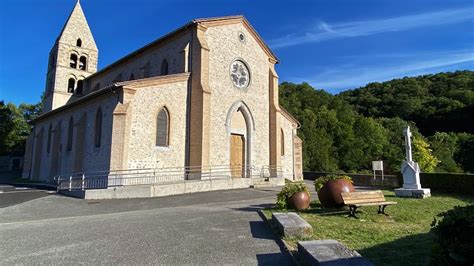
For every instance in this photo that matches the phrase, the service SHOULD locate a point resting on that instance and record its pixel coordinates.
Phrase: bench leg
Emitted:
(382, 209)
(352, 211)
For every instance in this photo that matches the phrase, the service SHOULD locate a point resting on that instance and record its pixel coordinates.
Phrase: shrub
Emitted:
(287, 191)
(320, 182)
(448, 182)
(455, 233)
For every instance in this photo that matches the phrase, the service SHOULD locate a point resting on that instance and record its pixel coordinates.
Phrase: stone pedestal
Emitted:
(411, 182)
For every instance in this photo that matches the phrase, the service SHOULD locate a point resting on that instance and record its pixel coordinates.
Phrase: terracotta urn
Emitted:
(330, 194)
(299, 200)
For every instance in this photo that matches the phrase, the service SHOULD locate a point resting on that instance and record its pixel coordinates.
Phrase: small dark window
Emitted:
(98, 128)
(70, 85)
(132, 77)
(79, 43)
(80, 86)
(83, 63)
(50, 131)
(162, 128)
(73, 61)
(70, 132)
(164, 68)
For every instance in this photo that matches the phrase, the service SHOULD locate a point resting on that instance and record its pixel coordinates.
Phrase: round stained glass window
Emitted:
(240, 74)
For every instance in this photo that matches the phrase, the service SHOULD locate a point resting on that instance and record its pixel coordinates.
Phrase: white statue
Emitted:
(411, 174)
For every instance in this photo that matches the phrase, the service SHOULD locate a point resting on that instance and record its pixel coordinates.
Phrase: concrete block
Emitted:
(413, 193)
(329, 252)
(168, 189)
(197, 186)
(292, 225)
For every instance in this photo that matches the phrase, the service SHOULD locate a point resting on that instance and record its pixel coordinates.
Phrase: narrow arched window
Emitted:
(164, 68)
(70, 85)
(282, 142)
(70, 133)
(98, 128)
(132, 77)
(83, 63)
(50, 131)
(80, 86)
(73, 61)
(79, 42)
(162, 128)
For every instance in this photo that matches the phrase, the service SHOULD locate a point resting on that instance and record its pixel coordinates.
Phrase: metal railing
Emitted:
(150, 176)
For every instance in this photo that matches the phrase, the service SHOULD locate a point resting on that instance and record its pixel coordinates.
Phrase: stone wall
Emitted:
(147, 63)
(144, 108)
(287, 159)
(93, 158)
(225, 46)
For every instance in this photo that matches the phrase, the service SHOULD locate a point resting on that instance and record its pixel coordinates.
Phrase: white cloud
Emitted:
(355, 75)
(325, 31)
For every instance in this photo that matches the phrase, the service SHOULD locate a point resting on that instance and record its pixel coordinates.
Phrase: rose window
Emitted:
(239, 74)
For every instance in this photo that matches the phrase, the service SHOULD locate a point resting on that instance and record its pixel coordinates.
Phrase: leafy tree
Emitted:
(423, 154)
(14, 127)
(445, 146)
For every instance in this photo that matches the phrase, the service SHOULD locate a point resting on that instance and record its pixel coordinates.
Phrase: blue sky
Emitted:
(333, 45)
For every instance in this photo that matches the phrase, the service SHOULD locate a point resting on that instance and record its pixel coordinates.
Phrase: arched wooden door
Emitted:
(237, 154)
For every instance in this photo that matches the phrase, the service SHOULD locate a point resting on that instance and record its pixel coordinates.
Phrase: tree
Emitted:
(423, 155)
(445, 146)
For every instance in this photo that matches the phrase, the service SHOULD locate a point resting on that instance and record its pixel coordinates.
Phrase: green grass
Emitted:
(401, 238)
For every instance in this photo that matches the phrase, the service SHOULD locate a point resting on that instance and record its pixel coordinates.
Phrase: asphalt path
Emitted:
(218, 227)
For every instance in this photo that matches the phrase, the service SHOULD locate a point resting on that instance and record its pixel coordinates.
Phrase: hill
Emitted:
(437, 102)
(349, 130)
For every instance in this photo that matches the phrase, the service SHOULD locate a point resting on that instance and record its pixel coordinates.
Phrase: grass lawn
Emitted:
(401, 238)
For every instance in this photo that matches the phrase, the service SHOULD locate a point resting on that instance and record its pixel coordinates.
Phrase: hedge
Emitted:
(449, 183)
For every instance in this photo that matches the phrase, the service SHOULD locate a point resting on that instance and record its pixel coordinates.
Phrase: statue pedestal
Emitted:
(411, 182)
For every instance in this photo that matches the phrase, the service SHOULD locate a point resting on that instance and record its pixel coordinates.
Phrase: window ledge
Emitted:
(162, 148)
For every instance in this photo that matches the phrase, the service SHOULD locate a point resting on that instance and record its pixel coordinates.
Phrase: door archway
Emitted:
(240, 130)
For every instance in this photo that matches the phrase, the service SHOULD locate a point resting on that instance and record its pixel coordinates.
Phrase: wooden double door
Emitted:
(237, 155)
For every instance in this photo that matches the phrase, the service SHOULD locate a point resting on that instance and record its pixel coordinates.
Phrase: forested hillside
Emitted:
(438, 102)
(347, 131)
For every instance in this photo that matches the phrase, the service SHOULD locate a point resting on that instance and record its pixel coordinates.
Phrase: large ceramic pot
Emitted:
(299, 201)
(330, 194)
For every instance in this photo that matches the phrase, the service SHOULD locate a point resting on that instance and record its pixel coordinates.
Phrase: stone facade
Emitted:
(187, 72)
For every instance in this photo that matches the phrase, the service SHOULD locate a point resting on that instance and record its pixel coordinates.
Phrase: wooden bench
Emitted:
(366, 198)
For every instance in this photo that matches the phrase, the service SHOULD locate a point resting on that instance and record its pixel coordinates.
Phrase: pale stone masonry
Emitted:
(205, 94)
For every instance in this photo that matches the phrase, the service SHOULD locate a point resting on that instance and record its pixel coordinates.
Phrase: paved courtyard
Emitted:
(220, 227)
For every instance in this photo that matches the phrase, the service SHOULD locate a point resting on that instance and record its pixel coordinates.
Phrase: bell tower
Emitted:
(73, 57)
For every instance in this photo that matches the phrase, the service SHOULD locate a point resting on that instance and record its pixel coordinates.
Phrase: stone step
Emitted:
(292, 225)
(329, 252)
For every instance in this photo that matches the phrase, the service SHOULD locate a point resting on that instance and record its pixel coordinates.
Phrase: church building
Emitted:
(203, 96)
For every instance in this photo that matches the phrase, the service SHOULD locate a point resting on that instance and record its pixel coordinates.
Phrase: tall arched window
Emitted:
(50, 131)
(98, 128)
(70, 85)
(282, 142)
(73, 61)
(164, 68)
(80, 86)
(70, 133)
(83, 63)
(162, 128)
(79, 42)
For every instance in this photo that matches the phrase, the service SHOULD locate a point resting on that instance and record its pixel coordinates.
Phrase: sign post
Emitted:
(377, 166)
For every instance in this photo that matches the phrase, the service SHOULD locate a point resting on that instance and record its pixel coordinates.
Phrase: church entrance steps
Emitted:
(175, 188)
